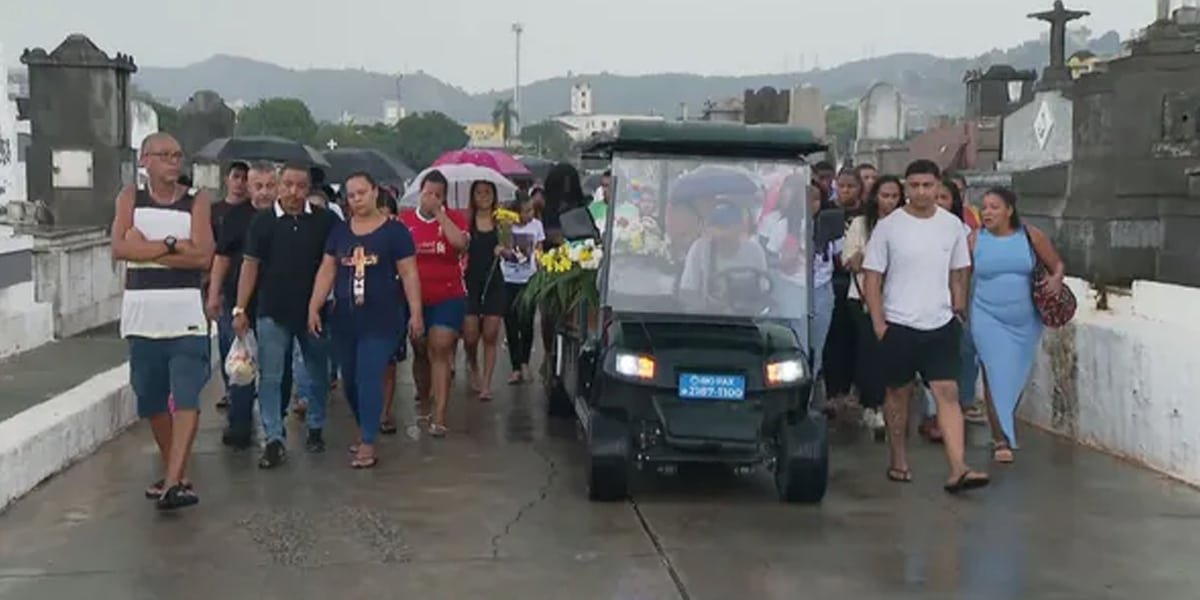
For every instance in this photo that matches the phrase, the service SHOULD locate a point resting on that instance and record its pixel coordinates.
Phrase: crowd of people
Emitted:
(924, 292)
(919, 292)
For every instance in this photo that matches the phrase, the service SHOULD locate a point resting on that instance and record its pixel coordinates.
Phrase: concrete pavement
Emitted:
(497, 510)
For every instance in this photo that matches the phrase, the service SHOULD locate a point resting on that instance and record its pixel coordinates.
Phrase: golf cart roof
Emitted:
(706, 138)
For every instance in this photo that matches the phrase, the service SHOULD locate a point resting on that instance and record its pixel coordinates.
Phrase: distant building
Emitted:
(582, 123)
(484, 135)
(729, 110)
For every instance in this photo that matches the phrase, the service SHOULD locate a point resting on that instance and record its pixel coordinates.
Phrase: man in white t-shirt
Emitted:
(916, 265)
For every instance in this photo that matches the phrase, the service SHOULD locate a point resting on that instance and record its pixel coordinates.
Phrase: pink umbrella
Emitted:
(495, 160)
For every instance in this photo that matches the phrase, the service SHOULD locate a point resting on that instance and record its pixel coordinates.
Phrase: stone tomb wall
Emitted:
(1125, 378)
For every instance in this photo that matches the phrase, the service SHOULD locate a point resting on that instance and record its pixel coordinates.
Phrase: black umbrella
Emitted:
(345, 162)
(540, 167)
(260, 147)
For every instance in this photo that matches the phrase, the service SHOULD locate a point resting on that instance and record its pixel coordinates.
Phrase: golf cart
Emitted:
(698, 349)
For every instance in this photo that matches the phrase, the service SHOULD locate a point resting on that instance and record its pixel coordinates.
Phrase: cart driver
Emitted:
(724, 264)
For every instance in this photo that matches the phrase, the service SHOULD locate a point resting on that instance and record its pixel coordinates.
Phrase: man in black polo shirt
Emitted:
(222, 292)
(284, 249)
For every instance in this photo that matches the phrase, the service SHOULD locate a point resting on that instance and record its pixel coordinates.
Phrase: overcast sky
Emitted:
(469, 43)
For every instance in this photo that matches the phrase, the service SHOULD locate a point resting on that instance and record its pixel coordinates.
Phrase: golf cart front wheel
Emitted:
(802, 460)
(608, 458)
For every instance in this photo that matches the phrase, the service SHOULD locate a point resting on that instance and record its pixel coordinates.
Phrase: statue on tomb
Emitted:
(1058, 17)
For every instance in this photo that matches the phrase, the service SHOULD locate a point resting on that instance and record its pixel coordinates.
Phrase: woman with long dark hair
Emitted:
(563, 192)
(486, 303)
(885, 196)
(366, 260)
(1004, 322)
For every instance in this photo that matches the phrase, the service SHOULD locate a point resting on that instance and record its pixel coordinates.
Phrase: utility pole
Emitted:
(517, 29)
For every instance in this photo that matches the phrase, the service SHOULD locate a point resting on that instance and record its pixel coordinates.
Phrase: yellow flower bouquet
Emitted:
(566, 277)
(505, 220)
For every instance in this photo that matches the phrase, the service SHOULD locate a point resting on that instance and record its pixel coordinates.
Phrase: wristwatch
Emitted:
(170, 241)
(237, 310)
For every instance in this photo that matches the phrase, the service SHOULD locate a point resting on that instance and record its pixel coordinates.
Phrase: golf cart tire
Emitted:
(608, 459)
(558, 401)
(802, 460)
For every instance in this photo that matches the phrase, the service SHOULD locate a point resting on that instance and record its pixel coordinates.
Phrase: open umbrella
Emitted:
(345, 162)
(495, 160)
(260, 147)
(540, 167)
(460, 177)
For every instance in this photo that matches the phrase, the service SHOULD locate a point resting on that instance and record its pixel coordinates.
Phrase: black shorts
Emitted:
(487, 298)
(905, 352)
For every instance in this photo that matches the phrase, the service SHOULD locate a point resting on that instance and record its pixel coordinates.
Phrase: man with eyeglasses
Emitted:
(163, 232)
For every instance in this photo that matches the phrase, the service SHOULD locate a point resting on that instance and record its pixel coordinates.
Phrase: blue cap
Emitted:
(724, 215)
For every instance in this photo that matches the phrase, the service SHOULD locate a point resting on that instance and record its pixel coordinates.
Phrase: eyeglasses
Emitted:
(176, 155)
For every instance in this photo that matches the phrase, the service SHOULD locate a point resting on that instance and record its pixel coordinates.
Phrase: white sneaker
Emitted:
(872, 419)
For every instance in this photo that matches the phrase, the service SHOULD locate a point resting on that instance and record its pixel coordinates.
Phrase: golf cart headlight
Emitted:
(635, 365)
(785, 371)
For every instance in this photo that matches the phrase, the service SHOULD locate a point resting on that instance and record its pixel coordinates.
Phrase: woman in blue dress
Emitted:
(1005, 324)
(370, 264)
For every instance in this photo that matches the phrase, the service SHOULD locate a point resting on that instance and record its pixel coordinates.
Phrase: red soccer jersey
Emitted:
(437, 261)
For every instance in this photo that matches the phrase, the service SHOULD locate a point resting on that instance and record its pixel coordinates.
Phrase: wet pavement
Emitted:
(497, 510)
(37, 375)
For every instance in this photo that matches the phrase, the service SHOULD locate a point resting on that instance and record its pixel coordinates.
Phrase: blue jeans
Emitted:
(966, 377)
(275, 346)
(161, 368)
(364, 359)
(822, 318)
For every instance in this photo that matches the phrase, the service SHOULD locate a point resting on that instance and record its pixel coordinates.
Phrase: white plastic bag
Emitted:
(241, 365)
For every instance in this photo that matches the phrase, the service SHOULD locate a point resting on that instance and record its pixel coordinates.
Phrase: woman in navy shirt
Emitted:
(370, 261)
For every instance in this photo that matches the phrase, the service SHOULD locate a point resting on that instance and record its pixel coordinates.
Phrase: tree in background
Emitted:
(423, 137)
(841, 124)
(284, 117)
(168, 116)
(548, 139)
(503, 118)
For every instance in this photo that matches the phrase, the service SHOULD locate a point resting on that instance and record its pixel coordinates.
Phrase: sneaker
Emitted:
(315, 442)
(975, 414)
(273, 455)
(872, 418)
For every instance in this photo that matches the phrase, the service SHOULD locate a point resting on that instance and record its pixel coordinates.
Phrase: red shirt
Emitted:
(438, 265)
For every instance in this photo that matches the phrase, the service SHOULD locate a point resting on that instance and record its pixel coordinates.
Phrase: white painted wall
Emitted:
(25, 323)
(8, 140)
(1126, 380)
(77, 275)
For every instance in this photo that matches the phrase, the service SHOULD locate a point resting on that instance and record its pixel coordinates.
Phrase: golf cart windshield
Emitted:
(708, 236)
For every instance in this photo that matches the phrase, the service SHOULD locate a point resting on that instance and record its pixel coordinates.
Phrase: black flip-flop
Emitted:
(388, 428)
(177, 496)
(899, 475)
(151, 494)
(966, 483)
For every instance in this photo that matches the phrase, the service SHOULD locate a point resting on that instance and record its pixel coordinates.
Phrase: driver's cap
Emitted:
(725, 215)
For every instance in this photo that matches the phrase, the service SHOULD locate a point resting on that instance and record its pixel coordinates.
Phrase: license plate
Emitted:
(699, 386)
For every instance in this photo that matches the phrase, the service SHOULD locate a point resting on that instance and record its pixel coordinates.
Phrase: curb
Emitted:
(45, 439)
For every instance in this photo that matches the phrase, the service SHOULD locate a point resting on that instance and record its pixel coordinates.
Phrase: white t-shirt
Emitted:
(916, 255)
(525, 239)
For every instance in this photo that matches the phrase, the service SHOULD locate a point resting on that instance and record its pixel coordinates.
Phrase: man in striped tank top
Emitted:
(163, 232)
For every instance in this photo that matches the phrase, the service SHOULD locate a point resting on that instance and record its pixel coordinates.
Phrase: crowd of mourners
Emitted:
(922, 293)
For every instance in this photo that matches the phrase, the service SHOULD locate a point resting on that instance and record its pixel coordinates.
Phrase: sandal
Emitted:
(361, 462)
(155, 491)
(177, 496)
(966, 482)
(1002, 453)
(516, 378)
(438, 430)
(485, 396)
(387, 427)
(899, 475)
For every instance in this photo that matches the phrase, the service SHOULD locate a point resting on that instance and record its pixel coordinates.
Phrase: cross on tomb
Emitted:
(331, 144)
(360, 260)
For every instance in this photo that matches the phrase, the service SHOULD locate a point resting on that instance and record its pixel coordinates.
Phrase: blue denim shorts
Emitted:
(448, 314)
(160, 368)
